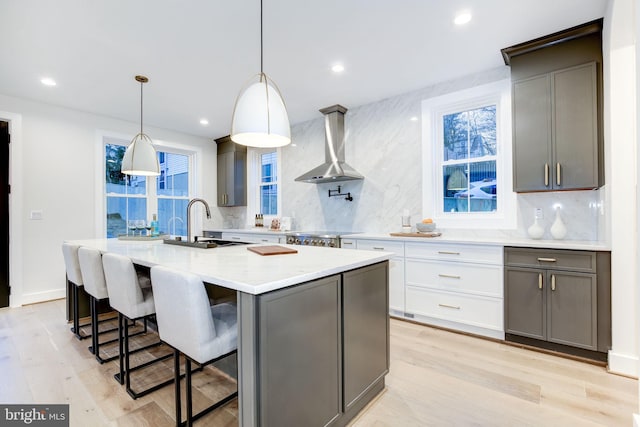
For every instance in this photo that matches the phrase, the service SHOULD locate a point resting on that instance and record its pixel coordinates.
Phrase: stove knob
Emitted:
(315, 242)
(322, 243)
(306, 241)
(332, 244)
(297, 242)
(290, 240)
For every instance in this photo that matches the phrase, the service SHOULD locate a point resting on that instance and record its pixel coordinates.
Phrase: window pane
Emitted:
(482, 131)
(117, 182)
(174, 175)
(123, 209)
(269, 199)
(268, 165)
(455, 129)
(481, 192)
(172, 216)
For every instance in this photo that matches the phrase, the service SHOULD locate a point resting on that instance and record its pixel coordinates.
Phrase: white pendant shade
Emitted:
(140, 157)
(260, 117)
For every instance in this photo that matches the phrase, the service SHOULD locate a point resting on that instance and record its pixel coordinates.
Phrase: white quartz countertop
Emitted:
(499, 239)
(237, 268)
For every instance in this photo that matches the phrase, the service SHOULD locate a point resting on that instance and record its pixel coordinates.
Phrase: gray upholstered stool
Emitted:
(74, 277)
(95, 285)
(202, 333)
(132, 302)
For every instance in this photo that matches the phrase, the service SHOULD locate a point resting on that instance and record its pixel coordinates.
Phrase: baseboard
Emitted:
(37, 297)
(623, 364)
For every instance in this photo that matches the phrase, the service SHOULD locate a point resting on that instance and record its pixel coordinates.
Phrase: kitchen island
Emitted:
(313, 327)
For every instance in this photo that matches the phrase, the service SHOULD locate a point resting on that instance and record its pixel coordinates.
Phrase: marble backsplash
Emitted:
(383, 143)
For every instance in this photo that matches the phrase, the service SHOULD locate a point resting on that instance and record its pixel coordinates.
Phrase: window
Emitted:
(136, 198)
(467, 158)
(263, 178)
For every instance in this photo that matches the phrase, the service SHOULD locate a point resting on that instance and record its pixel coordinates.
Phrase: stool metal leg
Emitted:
(189, 396)
(176, 367)
(120, 377)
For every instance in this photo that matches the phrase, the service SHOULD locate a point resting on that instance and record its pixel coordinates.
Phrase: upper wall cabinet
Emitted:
(232, 173)
(557, 110)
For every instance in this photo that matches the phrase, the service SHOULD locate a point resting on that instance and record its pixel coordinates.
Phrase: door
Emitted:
(524, 308)
(575, 128)
(532, 134)
(4, 214)
(572, 309)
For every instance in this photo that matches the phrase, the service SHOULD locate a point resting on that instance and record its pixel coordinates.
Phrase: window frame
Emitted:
(103, 138)
(254, 182)
(433, 109)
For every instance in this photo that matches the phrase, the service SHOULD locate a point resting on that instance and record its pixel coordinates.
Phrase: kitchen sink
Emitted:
(203, 242)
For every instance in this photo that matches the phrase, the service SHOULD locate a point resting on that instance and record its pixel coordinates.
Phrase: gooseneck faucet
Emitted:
(191, 202)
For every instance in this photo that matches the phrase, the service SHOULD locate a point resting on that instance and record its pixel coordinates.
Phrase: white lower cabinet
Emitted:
(455, 286)
(252, 237)
(396, 269)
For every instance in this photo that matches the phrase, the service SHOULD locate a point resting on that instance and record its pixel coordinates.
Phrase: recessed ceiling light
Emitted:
(462, 18)
(204, 122)
(47, 81)
(337, 68)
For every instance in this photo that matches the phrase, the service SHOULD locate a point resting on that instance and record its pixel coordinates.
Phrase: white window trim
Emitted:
(195, 181)
(505, 217)
(253, 180)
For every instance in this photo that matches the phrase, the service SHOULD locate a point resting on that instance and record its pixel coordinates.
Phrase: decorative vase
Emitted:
(558, 229)
(536, 231)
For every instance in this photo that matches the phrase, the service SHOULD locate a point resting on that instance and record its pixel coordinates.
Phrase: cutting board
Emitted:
(425, 234)
(271, 250)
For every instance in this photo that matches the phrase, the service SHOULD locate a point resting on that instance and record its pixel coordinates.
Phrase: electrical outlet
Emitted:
(538, 213)
(35, 215)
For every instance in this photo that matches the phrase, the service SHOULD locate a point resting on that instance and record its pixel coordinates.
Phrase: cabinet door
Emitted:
(532, 134)
(572, 309)
(575, 128)
(300, 354)
(396, 284)
(366, 349)
(223, 164)
(524, 308)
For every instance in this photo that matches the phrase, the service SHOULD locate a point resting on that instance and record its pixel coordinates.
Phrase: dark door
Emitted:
(4, 214)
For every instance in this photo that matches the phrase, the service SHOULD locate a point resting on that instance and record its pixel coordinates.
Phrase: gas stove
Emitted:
(330, 239)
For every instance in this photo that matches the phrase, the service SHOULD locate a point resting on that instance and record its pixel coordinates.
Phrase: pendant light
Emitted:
(140, 157)
(259, 116)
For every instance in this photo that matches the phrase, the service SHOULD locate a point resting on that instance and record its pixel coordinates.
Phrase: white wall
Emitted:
(53, 156)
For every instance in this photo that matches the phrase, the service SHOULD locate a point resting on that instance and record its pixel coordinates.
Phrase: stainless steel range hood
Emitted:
(334, 168)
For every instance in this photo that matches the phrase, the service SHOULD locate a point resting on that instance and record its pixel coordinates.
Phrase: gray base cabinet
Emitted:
(322, 349)
(558, 296)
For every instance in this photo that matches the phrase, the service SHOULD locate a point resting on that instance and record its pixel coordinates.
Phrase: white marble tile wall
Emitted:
(384, 145)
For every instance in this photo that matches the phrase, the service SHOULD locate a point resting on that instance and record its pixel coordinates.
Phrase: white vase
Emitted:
(558, 229)
(536, 231)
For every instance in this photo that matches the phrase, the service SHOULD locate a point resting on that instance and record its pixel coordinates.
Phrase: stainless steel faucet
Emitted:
(191, 202)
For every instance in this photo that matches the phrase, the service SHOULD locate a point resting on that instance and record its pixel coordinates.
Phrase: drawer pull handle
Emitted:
(448, 253)
(347, 243)
(449, 276)
(553, 282)
(540, 281)
(547, 259)
(264, 240)
(378, 248)
(455, 307)
(546, 174)
(558, 179)
(235, 238)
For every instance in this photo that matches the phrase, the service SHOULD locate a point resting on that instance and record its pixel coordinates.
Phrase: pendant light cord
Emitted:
(141, 83)
(261, 42)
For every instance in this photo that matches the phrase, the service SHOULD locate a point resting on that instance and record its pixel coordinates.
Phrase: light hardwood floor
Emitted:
(437, 378)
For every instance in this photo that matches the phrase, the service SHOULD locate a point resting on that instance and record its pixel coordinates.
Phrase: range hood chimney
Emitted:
(334, 168)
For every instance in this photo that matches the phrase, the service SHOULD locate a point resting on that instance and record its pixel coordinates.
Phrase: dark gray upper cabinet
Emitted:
(232, 173)
(557, 110)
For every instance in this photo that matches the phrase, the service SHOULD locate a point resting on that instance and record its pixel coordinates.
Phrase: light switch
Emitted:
(35, 215)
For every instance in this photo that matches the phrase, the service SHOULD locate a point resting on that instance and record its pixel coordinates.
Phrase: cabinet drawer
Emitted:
(554, 259)
(348, 243)
(456, 277)
(455, 252)
(382, 245)
(251, 238)
(484, 312)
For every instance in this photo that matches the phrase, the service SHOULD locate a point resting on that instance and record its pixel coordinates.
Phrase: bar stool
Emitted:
(95, 285)
(204, 334)
(74, 277)
(132, 303)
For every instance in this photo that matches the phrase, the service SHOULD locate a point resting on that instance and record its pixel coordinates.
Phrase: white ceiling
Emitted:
(198, 54)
